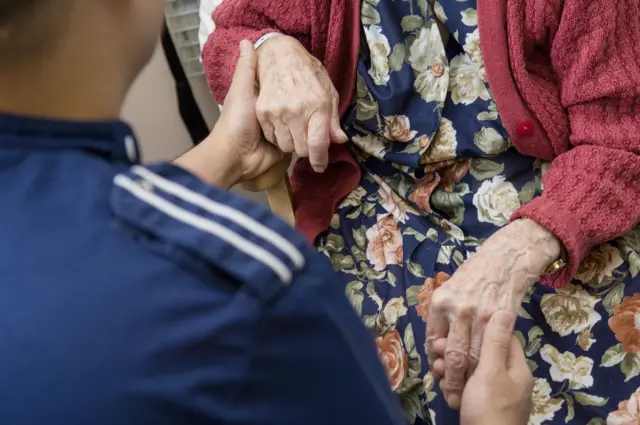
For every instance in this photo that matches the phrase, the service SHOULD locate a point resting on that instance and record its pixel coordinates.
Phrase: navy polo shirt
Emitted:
(135, 295)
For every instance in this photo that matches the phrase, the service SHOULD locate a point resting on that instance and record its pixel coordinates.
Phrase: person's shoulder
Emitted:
(150, 288)
(285, 335)
(173, 212)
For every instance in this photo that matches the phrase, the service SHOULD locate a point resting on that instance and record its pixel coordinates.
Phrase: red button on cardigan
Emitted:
(525, 128)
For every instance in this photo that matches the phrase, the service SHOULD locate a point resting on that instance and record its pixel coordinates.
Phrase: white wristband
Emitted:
(264, 39)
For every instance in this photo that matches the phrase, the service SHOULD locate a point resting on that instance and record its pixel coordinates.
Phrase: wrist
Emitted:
(270, 50)
(265, 38)
(542, 244)
(274, 40)
(538, 234)
(521, 252)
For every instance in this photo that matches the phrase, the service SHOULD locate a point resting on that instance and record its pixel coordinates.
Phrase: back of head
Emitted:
(12, 8)
(80, 55)
(28, 27)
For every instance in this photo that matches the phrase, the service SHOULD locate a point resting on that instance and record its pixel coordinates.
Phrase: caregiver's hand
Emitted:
(495, 278)
(235, 150)
(500, 389)
(298, 104)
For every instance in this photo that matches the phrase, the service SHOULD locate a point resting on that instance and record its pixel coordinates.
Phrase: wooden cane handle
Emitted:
(275, 182)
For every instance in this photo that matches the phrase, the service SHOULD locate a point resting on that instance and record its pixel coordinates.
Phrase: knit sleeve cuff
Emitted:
(221, 53)
(558, 219)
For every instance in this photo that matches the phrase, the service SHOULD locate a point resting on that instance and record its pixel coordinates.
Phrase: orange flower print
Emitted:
(453, 174)
(425, 294)
(398, 129)
(421, 195)
(385, 243)
(628, 412)
(393, 357)
(599, 264)
(625, 323)
(392, 202)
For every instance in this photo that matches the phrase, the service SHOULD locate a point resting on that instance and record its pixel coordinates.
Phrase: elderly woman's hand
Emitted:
(500, 389)
(235, 150)
(298, 104)
(495, 278)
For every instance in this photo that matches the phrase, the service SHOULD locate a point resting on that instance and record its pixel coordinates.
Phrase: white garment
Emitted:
(206, 21)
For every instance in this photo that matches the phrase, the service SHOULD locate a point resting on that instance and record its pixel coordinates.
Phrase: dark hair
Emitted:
(27, 29)
(10, 9)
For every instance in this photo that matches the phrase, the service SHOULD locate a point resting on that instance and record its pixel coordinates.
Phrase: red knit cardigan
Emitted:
(565, 75)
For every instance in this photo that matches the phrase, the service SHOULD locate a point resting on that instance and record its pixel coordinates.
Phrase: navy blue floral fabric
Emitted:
(439, 177)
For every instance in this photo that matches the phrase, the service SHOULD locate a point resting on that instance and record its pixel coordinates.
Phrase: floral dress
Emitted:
(439, 177)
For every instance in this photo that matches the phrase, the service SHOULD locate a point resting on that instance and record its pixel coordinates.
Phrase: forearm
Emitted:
(212, 163)
(590, 192)
(525, 249)
(590, 197)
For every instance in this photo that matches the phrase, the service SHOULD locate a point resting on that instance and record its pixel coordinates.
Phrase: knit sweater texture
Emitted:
(565, 75)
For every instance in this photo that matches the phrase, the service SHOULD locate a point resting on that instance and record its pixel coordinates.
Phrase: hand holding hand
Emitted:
(496, 278)
(500, 389)
(236, 150)
(298, 104)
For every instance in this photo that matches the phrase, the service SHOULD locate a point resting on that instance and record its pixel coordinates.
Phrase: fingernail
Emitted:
(319, 170)
(344, 135)
(503, 320)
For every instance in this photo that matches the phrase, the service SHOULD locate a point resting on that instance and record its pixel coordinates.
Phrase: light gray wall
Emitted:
(152, 108)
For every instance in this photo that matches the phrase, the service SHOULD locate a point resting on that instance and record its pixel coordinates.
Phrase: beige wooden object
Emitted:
(276, 183)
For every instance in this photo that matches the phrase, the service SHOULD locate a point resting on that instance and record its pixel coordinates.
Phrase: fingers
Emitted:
(475, 346)
(438, 368)
(337, 134)
(268, 130)
(244, 79)
(517, 357)
(299, 131)
(318, 141)
(283, 137)
(437, 330)
(496, 345)
(456, 362)
(518, 368)
(293, 135)
(440, 346)
(307, 122)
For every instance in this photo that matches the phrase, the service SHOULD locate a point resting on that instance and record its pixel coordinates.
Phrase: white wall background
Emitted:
(152, 108)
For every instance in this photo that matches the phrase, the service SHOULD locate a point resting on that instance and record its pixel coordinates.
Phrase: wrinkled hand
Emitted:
(239, 122)
(298, 104)
(495, 278)
(235, 151)
(500, 389)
